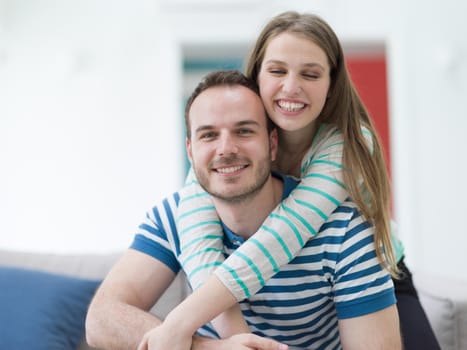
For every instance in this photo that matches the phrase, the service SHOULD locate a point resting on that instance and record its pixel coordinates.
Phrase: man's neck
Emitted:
(245, 218)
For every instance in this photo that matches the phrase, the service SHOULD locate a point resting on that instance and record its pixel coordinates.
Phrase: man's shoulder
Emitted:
(157, 234)
(161, 219)
(167, 204)
(345, 221)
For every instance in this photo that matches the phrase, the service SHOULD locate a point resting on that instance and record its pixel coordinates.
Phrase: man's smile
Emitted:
(230, 169)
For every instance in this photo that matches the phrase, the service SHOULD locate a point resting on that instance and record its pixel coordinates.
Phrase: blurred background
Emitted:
(92, 96)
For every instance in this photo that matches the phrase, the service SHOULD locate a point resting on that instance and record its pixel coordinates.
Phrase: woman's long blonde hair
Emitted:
(365, 171)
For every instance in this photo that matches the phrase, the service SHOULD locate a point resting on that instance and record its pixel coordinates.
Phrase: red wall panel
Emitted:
(368, 73)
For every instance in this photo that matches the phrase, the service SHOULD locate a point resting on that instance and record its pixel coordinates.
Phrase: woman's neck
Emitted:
(289, 162)
(293, 146)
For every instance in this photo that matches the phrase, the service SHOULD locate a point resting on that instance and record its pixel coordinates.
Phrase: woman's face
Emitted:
(294, 81)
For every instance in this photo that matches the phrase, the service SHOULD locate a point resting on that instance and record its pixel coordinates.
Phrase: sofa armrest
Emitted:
(445, 303)
(90, 266)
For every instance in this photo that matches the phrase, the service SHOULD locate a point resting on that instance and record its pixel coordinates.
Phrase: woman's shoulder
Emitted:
(327, 144)
(326, 135)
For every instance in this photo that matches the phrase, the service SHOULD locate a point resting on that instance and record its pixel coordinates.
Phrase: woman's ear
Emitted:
(273, 144)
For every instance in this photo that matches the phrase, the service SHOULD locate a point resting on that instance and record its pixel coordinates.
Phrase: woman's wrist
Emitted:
(183, 325)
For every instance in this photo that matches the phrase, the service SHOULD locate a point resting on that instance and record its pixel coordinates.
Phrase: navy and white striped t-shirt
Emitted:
(335, 276)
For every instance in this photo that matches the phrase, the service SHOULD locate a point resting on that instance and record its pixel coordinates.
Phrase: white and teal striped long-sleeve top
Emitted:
(297, 219)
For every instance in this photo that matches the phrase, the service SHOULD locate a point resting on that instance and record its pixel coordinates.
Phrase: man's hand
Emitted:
(244, 341)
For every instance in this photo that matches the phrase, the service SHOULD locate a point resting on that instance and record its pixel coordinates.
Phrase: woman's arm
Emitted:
(200, 232)
(176, 332)
(297, 219)
(201, 250)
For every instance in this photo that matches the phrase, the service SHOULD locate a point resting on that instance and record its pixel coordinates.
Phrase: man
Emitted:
(333, 293)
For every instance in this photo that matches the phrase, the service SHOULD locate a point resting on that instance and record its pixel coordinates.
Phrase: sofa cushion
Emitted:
(445, 303)
(42, 310)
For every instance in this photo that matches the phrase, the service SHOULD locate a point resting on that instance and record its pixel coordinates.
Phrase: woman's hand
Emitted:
(169, 338)
(244, 341)
(165, 338)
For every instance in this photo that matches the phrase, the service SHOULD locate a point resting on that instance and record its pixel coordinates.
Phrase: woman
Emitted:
(327, 139)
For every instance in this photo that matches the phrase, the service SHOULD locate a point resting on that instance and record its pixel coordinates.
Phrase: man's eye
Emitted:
(207, 135)
(245, 131)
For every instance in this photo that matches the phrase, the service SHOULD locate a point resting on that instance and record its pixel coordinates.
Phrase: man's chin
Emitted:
(231, 200)
(235, 197)
(227, 197)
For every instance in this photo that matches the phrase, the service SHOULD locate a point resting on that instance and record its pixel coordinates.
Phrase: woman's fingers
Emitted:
(260, 343)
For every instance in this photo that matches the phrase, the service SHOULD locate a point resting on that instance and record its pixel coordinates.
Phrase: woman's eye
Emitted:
(277, 71)
(311, 75)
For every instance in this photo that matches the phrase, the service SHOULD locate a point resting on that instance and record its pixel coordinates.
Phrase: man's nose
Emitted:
(291, 85)
(227, 145)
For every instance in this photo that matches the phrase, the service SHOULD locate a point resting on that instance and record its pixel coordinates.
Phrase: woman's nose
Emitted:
(291, 85)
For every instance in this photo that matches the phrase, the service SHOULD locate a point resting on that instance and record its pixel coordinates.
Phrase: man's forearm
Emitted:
(115, 325)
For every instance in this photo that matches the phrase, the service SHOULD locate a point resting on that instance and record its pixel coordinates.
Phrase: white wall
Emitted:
(90, 113)
(428, 75)
(89, 138)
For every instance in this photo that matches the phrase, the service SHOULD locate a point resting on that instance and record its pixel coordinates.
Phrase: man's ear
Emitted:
(273, 144)
(188, 149)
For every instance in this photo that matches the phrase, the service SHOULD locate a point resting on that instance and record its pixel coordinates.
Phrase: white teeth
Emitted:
(229, 170)
(291, 106)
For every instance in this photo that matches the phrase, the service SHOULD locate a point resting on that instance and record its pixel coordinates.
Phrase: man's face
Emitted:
(230, 148)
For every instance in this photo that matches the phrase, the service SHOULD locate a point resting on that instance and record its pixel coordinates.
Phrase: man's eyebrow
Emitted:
(247, 122)
(203, 128)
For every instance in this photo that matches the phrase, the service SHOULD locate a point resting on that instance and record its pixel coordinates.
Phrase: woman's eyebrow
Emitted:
(308, 65)
(313, 65)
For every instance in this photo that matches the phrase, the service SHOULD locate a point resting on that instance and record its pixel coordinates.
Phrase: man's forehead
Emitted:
(228, 90)
(233, 104)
